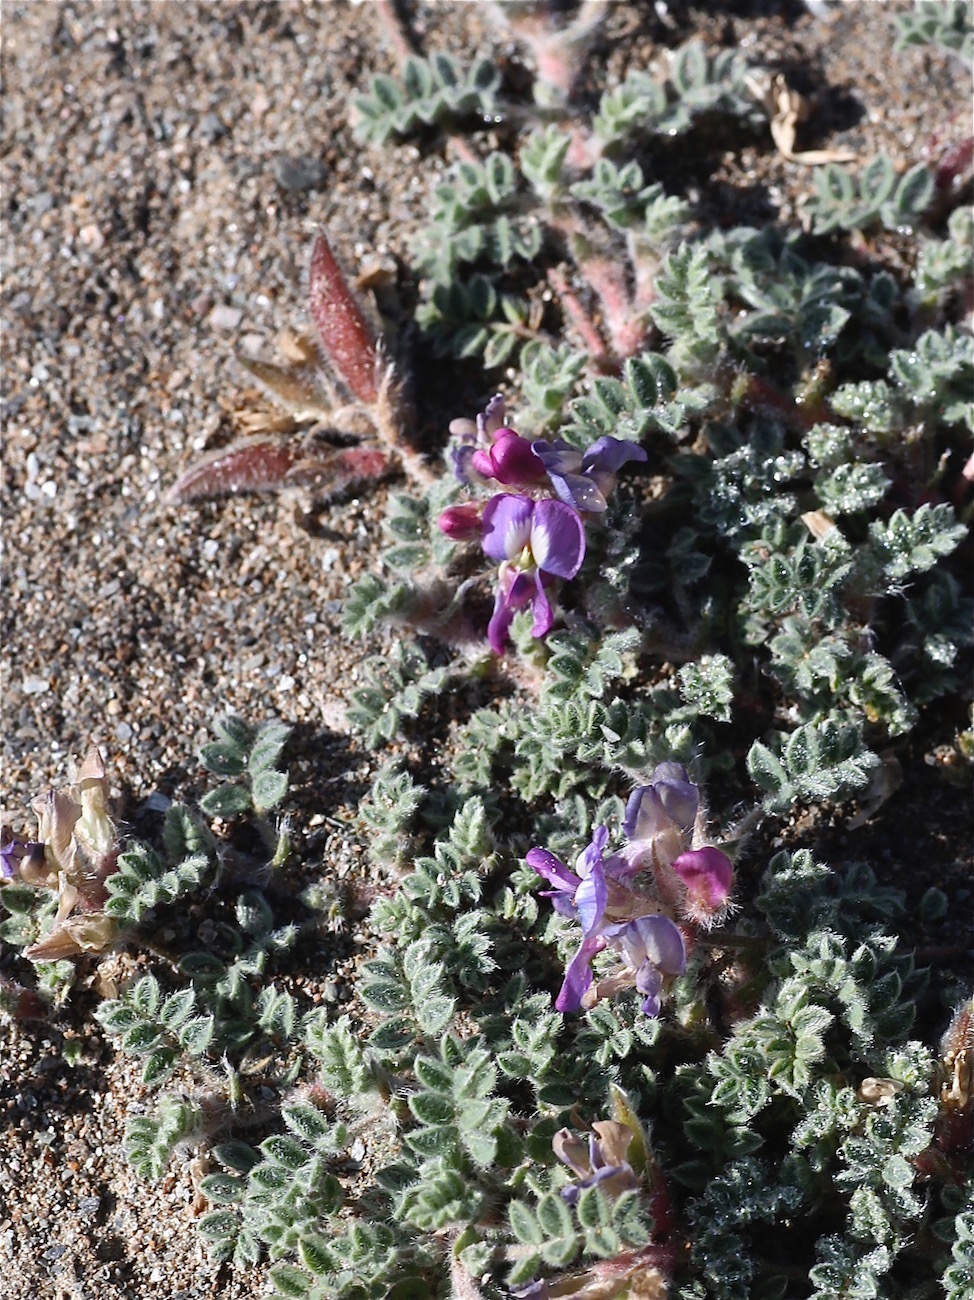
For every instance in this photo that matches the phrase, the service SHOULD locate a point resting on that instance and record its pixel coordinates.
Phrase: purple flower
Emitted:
(585, 479)
(671, 799)
(653, 947)
(583, 894)
(535, 542)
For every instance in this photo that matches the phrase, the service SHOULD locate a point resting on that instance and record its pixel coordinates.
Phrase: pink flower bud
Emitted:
(707, 874)
(462, 523)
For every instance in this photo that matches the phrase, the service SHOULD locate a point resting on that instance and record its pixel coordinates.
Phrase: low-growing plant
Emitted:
(604, 1043)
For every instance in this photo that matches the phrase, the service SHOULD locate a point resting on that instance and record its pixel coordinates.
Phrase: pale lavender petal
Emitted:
(552, 869)
(707, 874)
(561, 902)
(557, 457)
(492, 417)
(662, 943)
(578, 976)
(610, 454)
(652, 938)
(507, 526)
(645, 817)
(581, 492)
(557, 538)
(678, 794)
(590, 900)
(618, 866)
(649, 981)
(461, 462)
(591, 856)
(534, 1291)
(669, 771)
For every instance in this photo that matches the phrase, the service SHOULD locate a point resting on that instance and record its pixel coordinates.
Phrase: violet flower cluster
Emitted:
(536, 532)
(645, 901)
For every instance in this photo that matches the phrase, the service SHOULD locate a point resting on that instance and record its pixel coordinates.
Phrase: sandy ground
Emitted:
(164, 168)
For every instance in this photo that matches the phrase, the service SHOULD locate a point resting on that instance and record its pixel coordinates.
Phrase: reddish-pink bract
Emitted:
(345, 335)
(270, 464)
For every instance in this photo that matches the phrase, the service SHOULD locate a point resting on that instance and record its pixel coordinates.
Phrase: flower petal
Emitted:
(552, 869)
(662, 943)
(557, 538)
(581, 492)
(512, 462)
(578, 976)
(610, 454)
(557, 457)
(590, 900)
(679, 795)
(591, 856)
(507, 523)
(492, 417)
(653, 938)
(544, 615)
(645, 817)
(500, 622)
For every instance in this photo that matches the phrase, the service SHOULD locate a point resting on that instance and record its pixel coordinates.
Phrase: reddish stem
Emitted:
(576, 313)
(397, 31)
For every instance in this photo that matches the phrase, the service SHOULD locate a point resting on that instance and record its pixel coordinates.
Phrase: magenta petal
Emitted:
(707, 874)
(507, 525)
(482, 463)
(552, 869)
(500, 622)
(544, 615)
(557, 538)
(513, 461)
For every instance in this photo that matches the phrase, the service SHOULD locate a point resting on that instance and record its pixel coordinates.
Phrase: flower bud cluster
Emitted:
(644, 902)
(535, 533)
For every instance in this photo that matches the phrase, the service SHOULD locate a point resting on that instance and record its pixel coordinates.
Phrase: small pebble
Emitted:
(298, 172)
(211, 128)
(224, 318)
